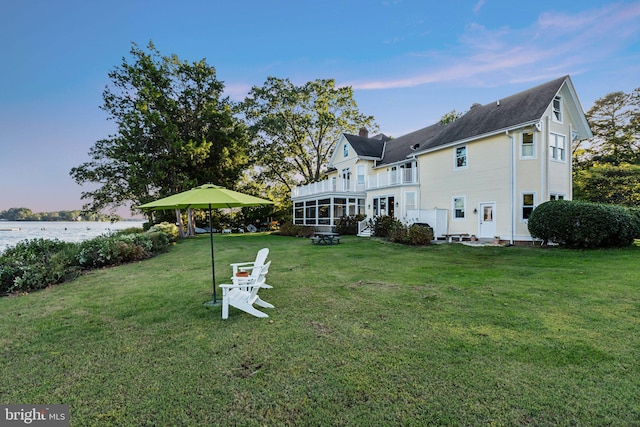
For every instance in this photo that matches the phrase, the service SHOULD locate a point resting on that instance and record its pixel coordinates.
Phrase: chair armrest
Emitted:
(243, 265)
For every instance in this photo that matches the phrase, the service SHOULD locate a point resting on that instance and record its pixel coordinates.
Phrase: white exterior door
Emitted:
(487, 220)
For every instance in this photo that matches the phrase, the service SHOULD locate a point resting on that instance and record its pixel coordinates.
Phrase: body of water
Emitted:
(12, 232)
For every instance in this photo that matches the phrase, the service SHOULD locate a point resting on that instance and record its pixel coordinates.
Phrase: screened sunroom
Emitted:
(326, 211)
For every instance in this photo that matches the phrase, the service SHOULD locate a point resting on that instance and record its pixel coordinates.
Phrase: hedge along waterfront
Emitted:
(35, 264)
(580, 224)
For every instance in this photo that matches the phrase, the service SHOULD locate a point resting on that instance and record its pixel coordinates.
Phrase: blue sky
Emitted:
(409, 63)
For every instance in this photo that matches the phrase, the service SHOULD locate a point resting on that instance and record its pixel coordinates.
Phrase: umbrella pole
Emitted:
(213, 263)
(213, 266)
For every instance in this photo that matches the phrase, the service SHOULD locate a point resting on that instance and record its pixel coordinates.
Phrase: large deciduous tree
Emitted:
(295, 128)
(174, 131)
(606, 167)
(615, 122)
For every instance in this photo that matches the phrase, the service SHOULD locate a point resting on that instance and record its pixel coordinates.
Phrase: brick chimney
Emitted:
(364, 133)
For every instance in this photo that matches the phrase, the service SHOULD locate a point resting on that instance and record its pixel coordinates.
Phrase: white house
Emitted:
(481, 174)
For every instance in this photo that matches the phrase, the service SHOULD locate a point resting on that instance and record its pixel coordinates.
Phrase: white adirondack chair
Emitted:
(261, 258)
(243, 293)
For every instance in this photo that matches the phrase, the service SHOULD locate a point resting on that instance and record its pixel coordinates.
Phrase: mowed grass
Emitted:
(364, 333)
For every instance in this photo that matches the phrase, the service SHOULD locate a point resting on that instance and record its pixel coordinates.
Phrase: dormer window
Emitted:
(557, 109)
(345, 150)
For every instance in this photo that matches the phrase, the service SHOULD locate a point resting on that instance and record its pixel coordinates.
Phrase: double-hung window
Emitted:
(527, 147)
(528, 203)
(461, 157)
(557, 109)
(409, 200)
(458, 208)
(360, 171)
(558, 147)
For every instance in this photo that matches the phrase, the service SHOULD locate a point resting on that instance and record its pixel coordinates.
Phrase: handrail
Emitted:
(341, 185)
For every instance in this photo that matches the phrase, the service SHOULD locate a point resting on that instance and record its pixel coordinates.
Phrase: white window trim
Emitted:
(361, 171)
(553, 137)
(466, 157)
(453, 208)
(535, 203)
(553, 110)
(535, 146)
(556, 195)
(414, 206)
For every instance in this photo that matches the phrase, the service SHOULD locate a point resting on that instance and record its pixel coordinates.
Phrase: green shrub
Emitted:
(384, 225)
(170, 229)
(160, 241)
(289, 229)
(348, 225)
(36, 264)
(584, 224)
(117, 249)
(97, 252)
(418, 235)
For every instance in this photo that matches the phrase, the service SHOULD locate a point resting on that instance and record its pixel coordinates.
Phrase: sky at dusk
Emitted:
(409, 63)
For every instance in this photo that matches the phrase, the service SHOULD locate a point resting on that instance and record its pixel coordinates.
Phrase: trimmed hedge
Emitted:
(581, 224)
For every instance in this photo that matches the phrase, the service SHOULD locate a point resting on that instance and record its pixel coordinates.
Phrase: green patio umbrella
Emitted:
(207, 196)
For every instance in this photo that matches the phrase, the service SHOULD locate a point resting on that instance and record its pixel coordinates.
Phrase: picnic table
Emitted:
(325, 238)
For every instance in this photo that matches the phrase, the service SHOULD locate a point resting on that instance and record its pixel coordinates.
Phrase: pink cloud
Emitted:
(559, 45)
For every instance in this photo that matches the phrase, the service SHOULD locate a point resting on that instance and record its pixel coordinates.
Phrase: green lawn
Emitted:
(364, 333)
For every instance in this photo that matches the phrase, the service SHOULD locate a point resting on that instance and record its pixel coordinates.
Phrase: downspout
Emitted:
(545, 175)
(570, 160)
(417, 183)
(512, 185)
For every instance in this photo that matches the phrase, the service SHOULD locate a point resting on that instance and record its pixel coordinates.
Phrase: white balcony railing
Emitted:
(340, 185)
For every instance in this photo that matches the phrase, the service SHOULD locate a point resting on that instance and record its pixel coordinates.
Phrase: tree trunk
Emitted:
(181, 231)
(191, 223)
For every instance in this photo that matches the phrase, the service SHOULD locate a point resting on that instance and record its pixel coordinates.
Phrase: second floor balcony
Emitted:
(341, 184)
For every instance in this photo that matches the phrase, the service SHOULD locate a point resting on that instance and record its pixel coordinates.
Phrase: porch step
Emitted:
(365, 233)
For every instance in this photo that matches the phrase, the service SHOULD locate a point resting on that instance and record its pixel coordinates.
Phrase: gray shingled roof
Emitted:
(367, 147)
(510, 112)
